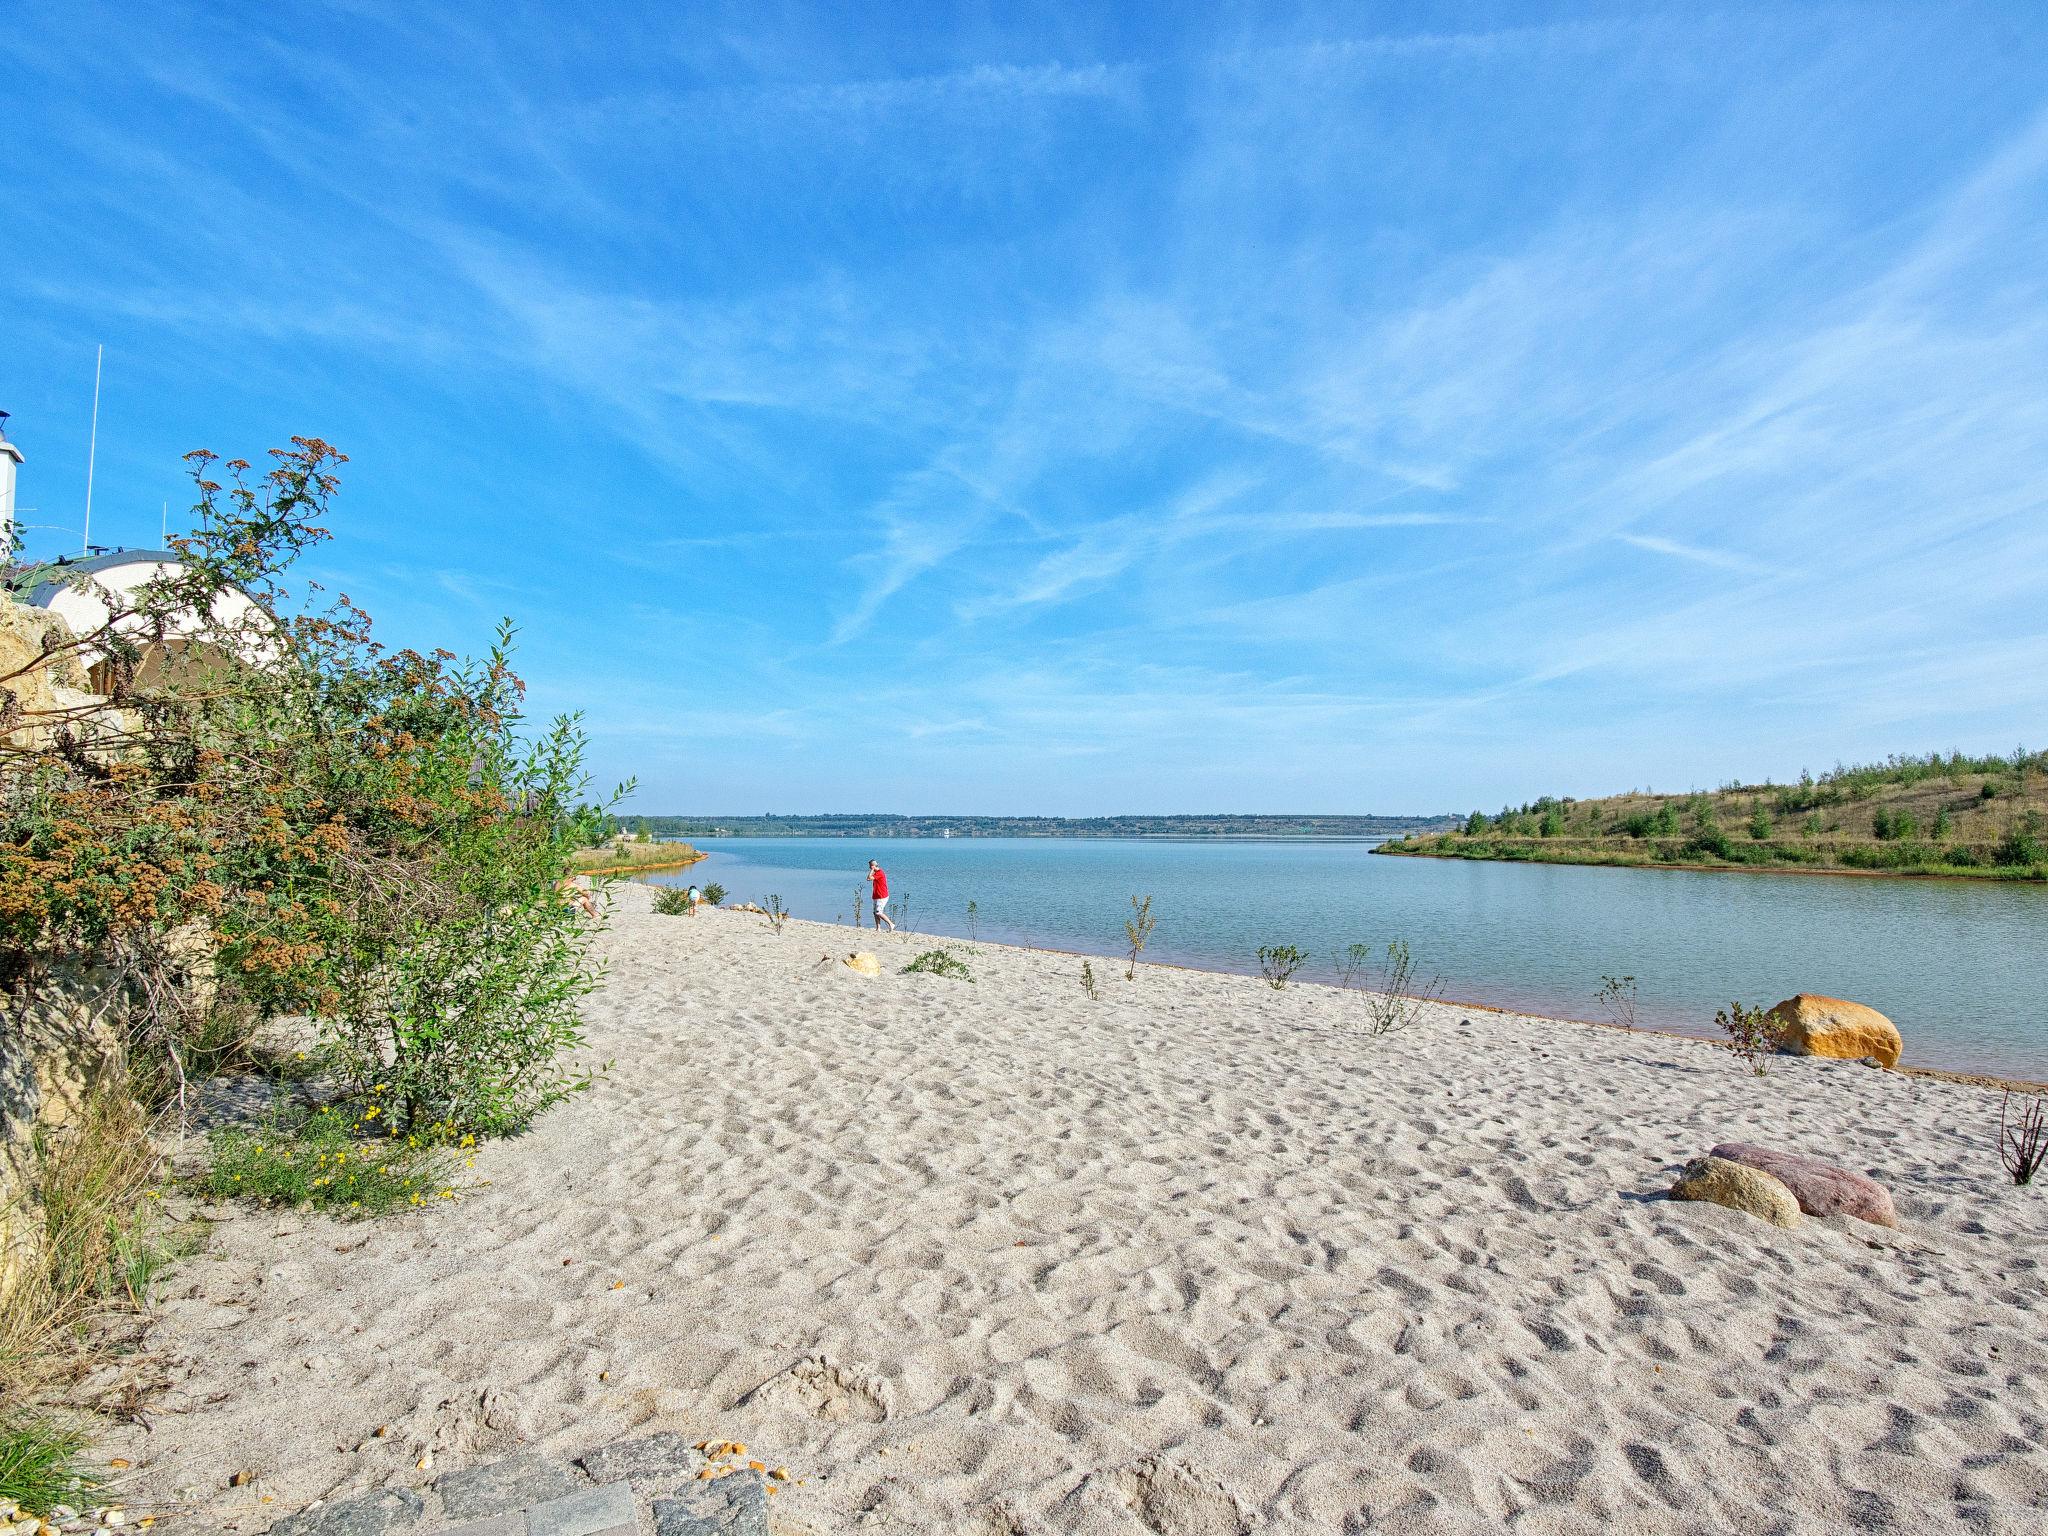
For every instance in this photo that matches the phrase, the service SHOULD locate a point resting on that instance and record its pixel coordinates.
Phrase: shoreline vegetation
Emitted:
(633, 858)
(1936, 816)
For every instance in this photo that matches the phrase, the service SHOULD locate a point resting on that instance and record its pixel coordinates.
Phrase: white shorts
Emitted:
(881, 905)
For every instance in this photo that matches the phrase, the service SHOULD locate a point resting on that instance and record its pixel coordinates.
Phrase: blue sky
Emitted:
(1363, 407)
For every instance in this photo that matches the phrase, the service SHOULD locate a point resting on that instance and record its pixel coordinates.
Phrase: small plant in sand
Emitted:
(860, 906)
(1617, 999)
(1277, 962)
(2023, 1143)
(1088, 982)
(939, 962)
(1394, 997)
(1356, 958)
(672, 901)
(973, 921)
(1753, 1034)
(714, 895)
(776, 913)
(1137, 932)
(350, 1164)
(40, 1470)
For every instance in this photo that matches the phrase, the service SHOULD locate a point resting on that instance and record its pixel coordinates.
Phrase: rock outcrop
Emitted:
(1822, 1189)
(1740, 1188)
(1834, 1027)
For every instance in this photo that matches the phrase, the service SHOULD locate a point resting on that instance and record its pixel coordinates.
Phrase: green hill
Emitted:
(1942, 814)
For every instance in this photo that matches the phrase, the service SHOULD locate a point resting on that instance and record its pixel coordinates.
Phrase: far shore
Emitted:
(1578, 859)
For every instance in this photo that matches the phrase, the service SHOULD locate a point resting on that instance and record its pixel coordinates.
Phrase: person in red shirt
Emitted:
(878, 885)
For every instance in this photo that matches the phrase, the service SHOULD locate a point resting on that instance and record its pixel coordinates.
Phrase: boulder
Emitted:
(1822, 1189)
(1740, 1188)
(1834, 1027)
(864, 962)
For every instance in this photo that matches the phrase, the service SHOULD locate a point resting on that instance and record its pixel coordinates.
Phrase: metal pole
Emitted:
(93, 449)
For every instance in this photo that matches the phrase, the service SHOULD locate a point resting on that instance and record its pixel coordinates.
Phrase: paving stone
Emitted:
(734, 1505)
(517, 1482)
(368, 1514)
(513, 1524)
(651, 1462)
(606, 1511)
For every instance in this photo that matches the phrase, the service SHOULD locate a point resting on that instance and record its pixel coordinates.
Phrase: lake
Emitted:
(1961, 967)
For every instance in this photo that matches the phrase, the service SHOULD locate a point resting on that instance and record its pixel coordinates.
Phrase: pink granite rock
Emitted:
(1821, 1188)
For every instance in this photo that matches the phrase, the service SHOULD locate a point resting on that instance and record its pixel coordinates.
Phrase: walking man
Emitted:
(878, 887)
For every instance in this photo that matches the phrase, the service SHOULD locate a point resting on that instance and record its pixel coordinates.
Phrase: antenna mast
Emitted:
(93, 448)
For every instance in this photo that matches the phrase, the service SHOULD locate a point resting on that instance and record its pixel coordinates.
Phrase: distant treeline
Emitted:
(1938, 813)
(697, 827)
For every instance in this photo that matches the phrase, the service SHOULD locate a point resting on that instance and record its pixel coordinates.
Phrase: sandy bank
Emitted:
(1196, 1258)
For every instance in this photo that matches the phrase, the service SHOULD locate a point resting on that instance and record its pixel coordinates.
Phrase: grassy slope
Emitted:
(1884, 818)
(629, 857)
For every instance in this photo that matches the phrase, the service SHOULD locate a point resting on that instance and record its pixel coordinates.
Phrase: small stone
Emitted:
(1721, 1182)
(369, 1514)
(651, 1461)
(730, 1506)
(516, 1482)
(510, 1524)
(606, 1511)
(1821, 1188)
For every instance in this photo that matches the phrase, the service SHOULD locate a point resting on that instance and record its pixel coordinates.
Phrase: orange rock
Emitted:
(1837, 1028)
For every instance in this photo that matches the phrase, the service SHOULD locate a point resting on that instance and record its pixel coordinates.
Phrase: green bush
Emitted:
(938, 962)
(352, 1164)
(1277, 962)
(714, 895)
(2019, 848)
(672, 901)
(375, 837)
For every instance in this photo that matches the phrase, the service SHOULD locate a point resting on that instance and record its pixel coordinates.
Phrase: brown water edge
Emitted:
(1693, 867)
(1938, 1074)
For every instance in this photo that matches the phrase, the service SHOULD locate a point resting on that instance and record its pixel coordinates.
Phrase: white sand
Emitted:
(1193, 1259)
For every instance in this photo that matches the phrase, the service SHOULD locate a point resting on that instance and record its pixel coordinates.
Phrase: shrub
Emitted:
(714, 895)
(1753, 1034)
(1617, 998)
(776, 913)
(2023, 1145)
(1475, 824)
(1890, 825)
(2019, 848)
(1088, 982)
(1987, 791)
(1552, 824)
(1760, 825)
(1277, 962)
(672, 901)
(331, 1160)
(939, 962)
(1394, 999)
(973, 921)
(366, 833)
(1137, 932)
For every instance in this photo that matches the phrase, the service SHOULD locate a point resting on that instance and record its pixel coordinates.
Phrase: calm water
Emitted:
(1961, 967)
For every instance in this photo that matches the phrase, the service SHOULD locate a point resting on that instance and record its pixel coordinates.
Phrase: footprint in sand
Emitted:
(1174, 1500)
(825, 1389)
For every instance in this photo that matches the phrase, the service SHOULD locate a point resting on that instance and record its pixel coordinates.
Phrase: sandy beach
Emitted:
(1197, 1258)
